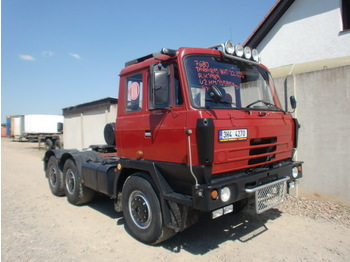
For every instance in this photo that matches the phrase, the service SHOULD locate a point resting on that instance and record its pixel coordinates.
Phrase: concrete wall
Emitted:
(310, 30)
(85, 129)
(324, 114)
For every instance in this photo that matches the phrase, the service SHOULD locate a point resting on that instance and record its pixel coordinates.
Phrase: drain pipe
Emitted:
(189, 133)
(286, 87)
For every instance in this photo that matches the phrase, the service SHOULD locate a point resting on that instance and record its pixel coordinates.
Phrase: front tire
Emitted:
(76, 192)
(55, 177)
(142, 212)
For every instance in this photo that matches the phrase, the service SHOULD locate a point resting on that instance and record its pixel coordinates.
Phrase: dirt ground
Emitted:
(37, 226)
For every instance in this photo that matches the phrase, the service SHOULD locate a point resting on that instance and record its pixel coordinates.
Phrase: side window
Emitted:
(134, 95)
(178, 91)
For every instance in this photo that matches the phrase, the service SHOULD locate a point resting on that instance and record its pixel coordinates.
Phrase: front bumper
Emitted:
(241, 186)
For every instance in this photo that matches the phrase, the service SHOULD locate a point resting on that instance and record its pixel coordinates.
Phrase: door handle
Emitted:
(148, 133)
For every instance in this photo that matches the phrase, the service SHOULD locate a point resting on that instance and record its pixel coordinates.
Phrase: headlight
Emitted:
(230, 49)
(239, 50)
(225, 194)
(295, 172)
(255, 55)
(247, 52)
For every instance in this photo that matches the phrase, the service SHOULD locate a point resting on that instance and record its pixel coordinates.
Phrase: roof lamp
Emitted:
(239, 50)
(255, 55)
(247, 52)
(230, 49)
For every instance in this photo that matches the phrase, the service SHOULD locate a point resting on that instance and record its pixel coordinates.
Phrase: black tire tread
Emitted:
(82, 194)
(159, 232)
(55, 190)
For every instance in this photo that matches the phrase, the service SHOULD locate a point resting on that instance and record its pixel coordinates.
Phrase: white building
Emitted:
(309, 34)
(309, 40)
(84, 124)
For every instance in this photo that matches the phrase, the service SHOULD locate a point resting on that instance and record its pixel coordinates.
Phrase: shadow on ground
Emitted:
(207, 234)
(105, 205)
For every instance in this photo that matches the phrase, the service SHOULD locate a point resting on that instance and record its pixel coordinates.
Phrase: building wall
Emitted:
(324, 143)
(85, 129)
(310, 30)
(72, 132)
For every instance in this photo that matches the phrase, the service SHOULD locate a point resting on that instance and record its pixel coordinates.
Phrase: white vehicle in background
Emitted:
(41, 128)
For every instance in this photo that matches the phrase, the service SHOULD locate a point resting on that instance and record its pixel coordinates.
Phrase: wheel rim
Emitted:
(70, 181)
(53, 176)
(139, 208)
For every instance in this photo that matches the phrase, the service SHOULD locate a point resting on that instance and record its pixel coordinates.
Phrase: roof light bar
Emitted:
(255, 55)
(247, 52)
(230, 49)
(239, 50)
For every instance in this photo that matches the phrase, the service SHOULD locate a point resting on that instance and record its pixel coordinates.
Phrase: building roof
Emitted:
(104, 103)
(269, 21)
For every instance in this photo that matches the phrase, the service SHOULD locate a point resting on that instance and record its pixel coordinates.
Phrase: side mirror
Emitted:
(59, 127)
(160, 86)
(293, 102)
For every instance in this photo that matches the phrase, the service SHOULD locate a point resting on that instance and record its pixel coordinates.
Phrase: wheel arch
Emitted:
(127, 172)
(152, 226)
(60, 155)
(149, 171)
(79, 158)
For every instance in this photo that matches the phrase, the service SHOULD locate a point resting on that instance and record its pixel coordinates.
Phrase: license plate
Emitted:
(233, 135)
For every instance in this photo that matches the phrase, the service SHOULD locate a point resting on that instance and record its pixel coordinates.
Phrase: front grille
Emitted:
(263, 148)
(270, 196)
(263, 141)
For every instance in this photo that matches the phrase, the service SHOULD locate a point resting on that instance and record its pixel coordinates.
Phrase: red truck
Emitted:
(197, 130)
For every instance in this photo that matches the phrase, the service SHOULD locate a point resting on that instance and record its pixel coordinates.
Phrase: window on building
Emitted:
(345, 13)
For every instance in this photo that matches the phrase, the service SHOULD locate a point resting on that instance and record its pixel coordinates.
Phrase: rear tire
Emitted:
(58, 144)
(76, 192)
(48, 144)
(55, 177)
(142, 212)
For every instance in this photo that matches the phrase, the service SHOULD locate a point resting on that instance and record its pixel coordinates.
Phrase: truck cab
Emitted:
(197, 130)
(206, 108)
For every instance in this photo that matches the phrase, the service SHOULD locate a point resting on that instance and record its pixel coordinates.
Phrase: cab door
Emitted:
(132, 115)
(165, 138)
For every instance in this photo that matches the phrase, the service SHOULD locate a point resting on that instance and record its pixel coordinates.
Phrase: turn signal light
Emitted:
(214, 194)
(139, 154)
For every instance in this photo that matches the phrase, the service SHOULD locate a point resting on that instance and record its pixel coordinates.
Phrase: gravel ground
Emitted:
(316, 209)
(37, 226)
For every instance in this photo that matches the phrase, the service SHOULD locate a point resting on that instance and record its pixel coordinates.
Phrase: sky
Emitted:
(61, 53)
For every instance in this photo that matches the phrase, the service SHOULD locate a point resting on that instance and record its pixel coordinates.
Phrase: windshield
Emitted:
(218, 83)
